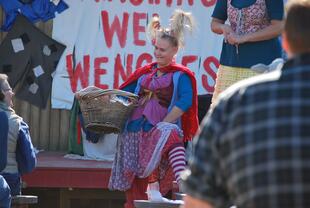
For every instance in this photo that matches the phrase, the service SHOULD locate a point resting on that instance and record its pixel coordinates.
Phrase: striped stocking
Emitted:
(177, 161)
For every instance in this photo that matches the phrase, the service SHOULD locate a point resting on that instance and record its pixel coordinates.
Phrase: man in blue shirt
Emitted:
(16, 149)
(5, 196)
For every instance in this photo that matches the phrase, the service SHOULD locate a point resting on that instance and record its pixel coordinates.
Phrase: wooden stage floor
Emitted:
(55, 171)
(69, 183)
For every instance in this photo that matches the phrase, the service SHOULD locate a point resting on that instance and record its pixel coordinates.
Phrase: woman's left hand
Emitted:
(174, 114)
(272, 31)
(235, 39)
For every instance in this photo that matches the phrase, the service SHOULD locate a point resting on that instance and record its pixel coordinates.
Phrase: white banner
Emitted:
(106, 42)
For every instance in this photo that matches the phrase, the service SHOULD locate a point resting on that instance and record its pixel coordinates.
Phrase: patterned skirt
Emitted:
(227, 76)
(140, 154)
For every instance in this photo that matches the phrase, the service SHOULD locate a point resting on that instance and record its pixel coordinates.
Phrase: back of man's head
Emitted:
(297, 26)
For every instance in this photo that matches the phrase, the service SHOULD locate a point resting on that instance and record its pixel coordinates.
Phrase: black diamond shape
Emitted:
(53, 48)
(25, 38)
(7, 68)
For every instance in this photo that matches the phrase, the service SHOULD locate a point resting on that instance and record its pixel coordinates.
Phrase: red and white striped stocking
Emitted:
(177, 161)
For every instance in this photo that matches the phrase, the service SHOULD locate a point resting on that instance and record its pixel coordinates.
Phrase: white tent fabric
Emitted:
(106, 40)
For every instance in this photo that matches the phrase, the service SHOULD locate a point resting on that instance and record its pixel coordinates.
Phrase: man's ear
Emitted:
(285, 44)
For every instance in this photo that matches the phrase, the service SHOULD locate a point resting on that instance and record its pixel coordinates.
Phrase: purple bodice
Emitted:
(154, 95)
(249, 19)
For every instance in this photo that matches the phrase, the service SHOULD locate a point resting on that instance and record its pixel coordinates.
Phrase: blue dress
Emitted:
(250, 53)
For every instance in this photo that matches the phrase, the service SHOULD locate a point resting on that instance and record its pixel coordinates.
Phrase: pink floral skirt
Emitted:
(145, 154)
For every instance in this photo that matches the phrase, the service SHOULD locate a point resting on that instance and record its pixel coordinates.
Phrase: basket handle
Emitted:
(121, 93)
(115, 92)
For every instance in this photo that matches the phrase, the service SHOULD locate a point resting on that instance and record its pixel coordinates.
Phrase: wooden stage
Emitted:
(53, 170)
(62, 182)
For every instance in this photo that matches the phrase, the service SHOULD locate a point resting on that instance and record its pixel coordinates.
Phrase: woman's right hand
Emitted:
(219, 27)
(226, 31)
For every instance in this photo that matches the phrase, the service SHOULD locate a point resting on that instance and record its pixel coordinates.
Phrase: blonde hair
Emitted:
(180, 22)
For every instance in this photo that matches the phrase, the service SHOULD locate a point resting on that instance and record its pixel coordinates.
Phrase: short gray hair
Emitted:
(3, 78)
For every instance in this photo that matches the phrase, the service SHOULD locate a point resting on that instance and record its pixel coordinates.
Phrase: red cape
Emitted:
(190, 118)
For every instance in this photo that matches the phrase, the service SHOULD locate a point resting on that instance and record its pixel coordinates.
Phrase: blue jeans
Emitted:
(5, 196)
(13, 179)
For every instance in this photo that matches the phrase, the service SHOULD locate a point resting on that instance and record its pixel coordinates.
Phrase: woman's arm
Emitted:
(184, 101)
(173, 115)
(131, 87)
(272, 31)
(25, 153)
(218, 26)
(219, 16)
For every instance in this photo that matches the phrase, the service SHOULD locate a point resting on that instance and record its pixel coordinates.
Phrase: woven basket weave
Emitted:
(103, 110)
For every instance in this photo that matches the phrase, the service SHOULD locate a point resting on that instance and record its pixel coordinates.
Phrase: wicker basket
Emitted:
(104, 111)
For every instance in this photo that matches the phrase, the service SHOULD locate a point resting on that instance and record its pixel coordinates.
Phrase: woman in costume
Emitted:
(150, 151)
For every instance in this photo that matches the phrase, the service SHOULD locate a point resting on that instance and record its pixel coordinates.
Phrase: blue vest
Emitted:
(4, 128)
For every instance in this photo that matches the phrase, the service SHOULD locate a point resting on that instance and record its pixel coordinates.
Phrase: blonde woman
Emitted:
(150, 151)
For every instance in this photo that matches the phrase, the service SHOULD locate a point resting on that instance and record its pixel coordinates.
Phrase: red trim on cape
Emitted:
(189, 119)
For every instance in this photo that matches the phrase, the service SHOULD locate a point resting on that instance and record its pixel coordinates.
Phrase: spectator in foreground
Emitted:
(253, 150)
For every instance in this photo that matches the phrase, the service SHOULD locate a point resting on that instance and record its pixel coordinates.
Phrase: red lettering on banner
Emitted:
(100, 71)
(188, 59)
(207, 66)
(137, 28)
(123, 68)
(179, 2)
(208, 3)
(154, 1)
(78, 73)
(144, 57)
(136, 2)
(108, 31)
(190, 2)
(119, 69)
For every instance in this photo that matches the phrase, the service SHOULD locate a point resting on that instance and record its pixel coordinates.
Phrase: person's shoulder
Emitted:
(143, 70)
(183, 69)
(147, 66)
(15, 117)
(3, 114)
(179, 65)
(3, 119)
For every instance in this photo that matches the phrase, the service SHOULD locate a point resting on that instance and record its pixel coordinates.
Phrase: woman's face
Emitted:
(8, 93)
(164, 52)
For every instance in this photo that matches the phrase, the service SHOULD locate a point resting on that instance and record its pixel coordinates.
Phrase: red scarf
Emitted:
(189, 119)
